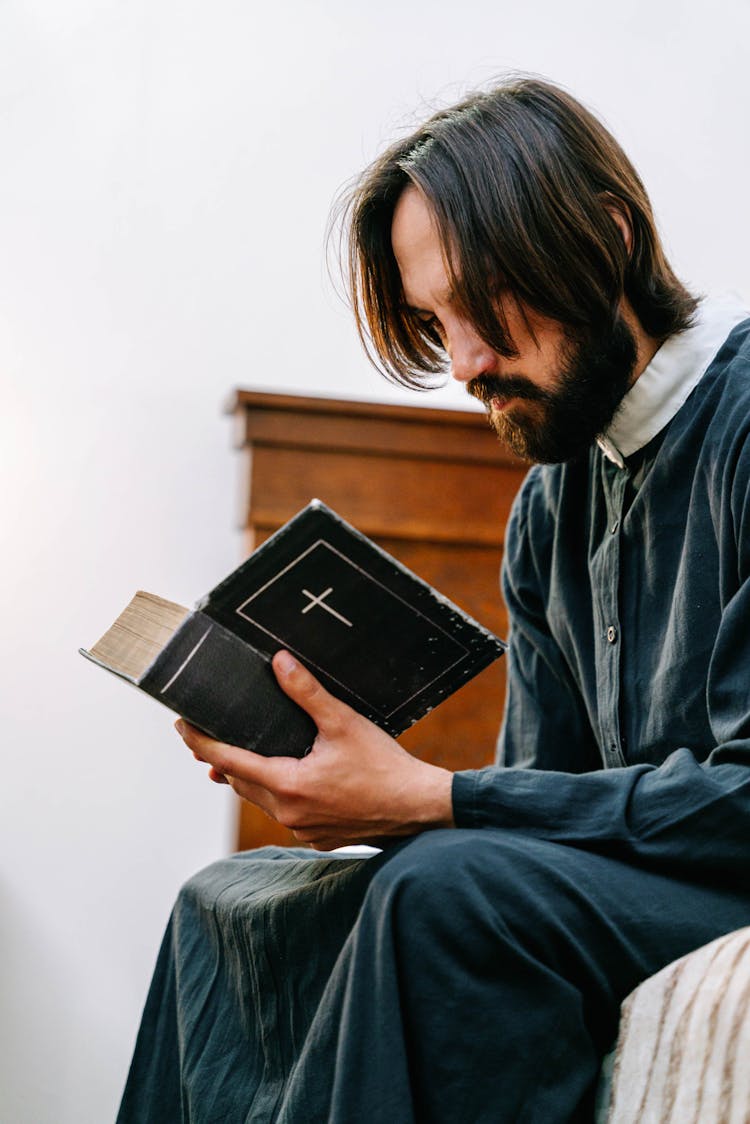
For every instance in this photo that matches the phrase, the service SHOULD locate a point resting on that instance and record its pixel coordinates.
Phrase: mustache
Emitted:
(487, 387)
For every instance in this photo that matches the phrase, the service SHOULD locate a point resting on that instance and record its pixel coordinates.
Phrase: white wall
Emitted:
(166, 170)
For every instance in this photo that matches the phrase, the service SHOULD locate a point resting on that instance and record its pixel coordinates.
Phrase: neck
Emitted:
(646, 346)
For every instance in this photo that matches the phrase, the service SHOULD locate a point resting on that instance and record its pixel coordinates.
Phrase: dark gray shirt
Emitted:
(627, 721)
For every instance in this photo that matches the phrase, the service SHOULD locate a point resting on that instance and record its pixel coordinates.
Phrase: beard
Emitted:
(559, 425)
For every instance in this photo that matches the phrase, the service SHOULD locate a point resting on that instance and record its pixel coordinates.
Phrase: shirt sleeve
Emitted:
(686, 818)
(689, 816)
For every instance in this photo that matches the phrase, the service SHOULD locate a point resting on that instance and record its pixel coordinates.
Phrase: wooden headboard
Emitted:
(433, 487)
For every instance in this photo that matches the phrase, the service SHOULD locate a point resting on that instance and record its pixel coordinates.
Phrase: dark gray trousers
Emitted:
(458, 977)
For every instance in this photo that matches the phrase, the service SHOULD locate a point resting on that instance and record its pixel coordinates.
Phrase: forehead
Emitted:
(417, 249)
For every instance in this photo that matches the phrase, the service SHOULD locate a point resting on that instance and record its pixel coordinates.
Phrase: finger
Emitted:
(317, 842)
(231, 759)
(327, 712)
(252, 793)
(217, 777)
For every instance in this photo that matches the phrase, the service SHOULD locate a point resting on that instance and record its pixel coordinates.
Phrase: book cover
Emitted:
(375, 635)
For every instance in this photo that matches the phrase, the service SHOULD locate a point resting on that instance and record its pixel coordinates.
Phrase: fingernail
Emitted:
(286, 663)
(179, 727)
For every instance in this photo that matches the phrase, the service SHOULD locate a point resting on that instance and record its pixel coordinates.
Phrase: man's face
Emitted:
(551, 399)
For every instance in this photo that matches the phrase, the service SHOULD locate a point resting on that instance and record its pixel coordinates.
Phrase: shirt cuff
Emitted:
(463, 794)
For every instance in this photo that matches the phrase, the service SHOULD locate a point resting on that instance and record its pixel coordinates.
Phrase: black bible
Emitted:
(372, 632)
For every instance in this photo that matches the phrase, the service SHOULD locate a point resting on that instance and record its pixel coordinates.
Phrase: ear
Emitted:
(620, 214)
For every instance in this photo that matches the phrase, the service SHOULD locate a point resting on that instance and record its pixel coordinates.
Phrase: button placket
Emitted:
(606, 583)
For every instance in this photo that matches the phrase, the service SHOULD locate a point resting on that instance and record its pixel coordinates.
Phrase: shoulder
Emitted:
(721, 414)
(736, 346)
(724, 390)
(714, 429)
(711, 431)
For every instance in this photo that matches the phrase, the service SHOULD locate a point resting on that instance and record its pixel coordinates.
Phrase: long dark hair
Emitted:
(522, 180)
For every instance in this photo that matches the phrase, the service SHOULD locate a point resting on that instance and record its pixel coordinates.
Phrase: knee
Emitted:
(202, 892)
(440, 878)
(449, 879)
(229, 880)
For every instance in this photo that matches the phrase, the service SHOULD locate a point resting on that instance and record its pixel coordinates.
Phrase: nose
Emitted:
(469, 354)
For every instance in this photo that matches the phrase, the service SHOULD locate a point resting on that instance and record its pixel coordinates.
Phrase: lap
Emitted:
(562, 900)
(520, 878)
(580, 911)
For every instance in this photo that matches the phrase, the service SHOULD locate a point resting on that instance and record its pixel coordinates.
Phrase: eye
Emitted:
(432, 326)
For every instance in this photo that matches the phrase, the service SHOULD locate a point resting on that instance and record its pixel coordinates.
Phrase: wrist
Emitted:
(436, 798)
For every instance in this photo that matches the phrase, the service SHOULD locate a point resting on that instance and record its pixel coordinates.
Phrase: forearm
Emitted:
(684, 816)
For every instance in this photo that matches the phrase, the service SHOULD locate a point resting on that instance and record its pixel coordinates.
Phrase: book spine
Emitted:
(227, 688)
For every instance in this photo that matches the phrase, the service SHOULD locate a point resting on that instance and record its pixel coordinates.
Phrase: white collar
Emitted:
(664, 385)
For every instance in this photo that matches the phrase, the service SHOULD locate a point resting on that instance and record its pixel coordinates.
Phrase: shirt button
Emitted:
(611, 634)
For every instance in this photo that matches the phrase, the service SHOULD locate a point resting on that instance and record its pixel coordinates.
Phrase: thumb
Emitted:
(326, 711)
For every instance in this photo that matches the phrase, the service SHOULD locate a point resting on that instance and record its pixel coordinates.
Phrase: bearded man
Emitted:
(473, 969)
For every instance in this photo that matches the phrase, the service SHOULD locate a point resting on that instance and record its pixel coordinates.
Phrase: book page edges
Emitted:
(141, 632)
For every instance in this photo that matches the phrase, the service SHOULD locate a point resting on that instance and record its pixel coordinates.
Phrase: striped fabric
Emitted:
(683, 1051)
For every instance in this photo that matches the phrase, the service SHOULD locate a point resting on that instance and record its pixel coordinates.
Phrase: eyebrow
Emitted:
(446, 297)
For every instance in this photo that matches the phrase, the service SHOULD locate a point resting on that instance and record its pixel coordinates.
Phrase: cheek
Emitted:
(540, 340)
(542, 367)
(550, 360)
